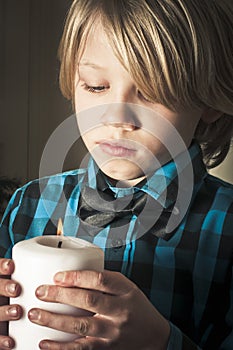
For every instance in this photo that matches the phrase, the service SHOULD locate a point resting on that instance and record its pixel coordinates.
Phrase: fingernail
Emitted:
(44, 345)
(13, 311)
(6, 265)
(12, 288)
(60, 277)
(42, 292)
(34, 315)
(8, 343)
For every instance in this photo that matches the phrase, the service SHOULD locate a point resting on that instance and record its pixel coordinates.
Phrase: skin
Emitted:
(110, 108)
(117, 323)
(8, 289)
(103, 85)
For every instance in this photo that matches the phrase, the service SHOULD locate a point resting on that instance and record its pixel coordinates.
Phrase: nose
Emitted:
(120, 115)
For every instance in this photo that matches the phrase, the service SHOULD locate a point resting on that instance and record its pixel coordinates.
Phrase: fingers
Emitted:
(80, 344)
(6, 266)
(98, 292)
(9, 288)
(107, 281)
(10, 313)
(94, 301)
(94, 326)
(6, 343)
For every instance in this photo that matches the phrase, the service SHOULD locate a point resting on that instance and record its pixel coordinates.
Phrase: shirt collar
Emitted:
(179, 175)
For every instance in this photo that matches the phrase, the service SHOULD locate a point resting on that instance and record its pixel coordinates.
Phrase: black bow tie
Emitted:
(97, 209)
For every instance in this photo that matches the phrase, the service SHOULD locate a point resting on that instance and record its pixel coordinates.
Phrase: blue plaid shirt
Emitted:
(187, 275)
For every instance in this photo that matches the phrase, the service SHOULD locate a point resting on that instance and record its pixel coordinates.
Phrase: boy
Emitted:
(148, 79)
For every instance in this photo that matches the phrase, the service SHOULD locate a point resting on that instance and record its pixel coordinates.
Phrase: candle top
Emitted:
(48, 245)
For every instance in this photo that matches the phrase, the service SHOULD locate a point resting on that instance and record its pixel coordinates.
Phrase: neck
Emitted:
(126, 183)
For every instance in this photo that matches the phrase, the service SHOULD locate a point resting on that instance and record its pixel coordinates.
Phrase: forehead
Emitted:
(97, 52)
(94, 43)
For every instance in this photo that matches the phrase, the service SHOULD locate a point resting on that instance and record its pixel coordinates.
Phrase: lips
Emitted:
(117, 148)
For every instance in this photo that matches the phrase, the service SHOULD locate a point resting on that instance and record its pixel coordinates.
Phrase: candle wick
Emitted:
(59, 244)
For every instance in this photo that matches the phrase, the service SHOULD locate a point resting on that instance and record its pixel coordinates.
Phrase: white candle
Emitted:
(36, 262)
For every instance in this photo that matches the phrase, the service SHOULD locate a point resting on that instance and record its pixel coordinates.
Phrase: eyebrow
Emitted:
(86, 63)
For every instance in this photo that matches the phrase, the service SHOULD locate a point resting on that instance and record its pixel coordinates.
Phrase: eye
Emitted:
(95, 89)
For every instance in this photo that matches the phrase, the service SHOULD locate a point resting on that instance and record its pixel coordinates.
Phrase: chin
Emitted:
(122, 170)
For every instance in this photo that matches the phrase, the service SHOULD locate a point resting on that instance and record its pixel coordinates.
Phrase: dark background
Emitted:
(31, 105)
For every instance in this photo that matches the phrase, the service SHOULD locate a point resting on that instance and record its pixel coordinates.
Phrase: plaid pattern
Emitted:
(188, 276)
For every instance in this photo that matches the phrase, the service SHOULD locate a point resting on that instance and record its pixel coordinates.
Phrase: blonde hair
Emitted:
(179, 53)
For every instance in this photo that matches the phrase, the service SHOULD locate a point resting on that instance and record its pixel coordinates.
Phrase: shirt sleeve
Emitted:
(179, 341)
(6, 232)
(227, 344)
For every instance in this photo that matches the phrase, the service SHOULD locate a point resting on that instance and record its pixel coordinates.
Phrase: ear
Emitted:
(210, 115)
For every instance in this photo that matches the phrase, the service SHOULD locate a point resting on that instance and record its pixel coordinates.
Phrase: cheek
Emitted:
(158, 153)
(90, 137)
(81, 100)
(85, 100)
(90, 118)
(171, 135)
(87, 138)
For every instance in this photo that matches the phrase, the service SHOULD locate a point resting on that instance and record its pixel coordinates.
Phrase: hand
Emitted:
(124, 318)
(8, 288)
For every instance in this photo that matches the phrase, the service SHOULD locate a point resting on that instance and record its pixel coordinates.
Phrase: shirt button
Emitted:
(117, 243)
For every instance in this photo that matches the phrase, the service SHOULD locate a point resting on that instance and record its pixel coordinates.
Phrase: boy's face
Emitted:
(127, 135)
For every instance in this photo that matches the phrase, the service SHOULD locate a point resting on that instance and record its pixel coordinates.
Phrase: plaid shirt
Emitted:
(187, 275)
